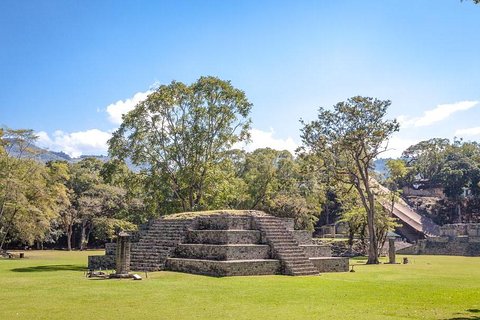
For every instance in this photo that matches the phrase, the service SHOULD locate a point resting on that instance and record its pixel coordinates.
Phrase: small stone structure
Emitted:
(122, 256)
(461, 239)
(430, 192)
(228, 243)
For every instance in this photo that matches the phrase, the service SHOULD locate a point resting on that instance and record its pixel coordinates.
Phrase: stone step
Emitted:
(224, 268)
(145, 258)
(285, 247)
(283, 244)
(223, 236)
(313, 250)
(299, 268)
(223, 252)
(330, 264)
(157, 243)
(306, 273)
(290, 255)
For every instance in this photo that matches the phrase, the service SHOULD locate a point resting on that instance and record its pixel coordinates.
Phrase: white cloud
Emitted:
(75, 144)
(468, 132)
(121, 107)
(441, 112)
(396, 146)
(264, 139)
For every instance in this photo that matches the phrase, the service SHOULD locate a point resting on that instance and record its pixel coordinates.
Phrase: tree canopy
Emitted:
(181, 132)
(348, 139)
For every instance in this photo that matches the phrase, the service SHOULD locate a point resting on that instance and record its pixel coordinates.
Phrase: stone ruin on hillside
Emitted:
(225, 243)
(460, 239)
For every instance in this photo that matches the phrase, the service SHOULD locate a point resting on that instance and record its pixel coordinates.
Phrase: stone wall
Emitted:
(330, 264)
(289, 223)
(101, 262)
(222, 252)
(223, 236)
(223, 223)
(459, 246)
(302, 236)
(110, 248)
(314, 250)
(460, 229)
(225, 268)
(431, 192)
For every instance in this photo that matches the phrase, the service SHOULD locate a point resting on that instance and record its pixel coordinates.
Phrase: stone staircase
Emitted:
(223, 246)
(152, 250)
(293, 258)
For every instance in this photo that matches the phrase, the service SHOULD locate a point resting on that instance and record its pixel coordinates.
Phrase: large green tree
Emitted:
(180, 133)
(27, 206)
(426, 159)
(348, 139)
(59, 173)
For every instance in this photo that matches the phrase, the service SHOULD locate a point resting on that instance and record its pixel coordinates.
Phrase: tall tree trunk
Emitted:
(7, 229)
(372, 234)
(87, 235)
(372, 242)
(83, 234)
(69, 237)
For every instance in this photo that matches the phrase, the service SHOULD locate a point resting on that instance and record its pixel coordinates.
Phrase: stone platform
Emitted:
(226, 243)
(225, 268)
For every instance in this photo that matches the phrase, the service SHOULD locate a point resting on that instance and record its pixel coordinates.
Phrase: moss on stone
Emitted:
(194, 214)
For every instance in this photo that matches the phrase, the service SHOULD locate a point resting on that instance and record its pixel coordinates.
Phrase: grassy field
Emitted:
(51, 285)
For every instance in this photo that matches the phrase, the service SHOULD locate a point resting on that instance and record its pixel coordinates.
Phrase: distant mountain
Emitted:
(99, 157)
(44, 156)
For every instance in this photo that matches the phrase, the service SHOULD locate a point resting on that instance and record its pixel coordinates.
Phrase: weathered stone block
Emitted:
(474, 239)
(289, 223)
(330, 264)
(224, 268)
(473, 230)
(101, 262)
(302, 236)
(110, 249)
(223, 236)
(223, 252)
(223, 223)
(314, 251)
(439, 239)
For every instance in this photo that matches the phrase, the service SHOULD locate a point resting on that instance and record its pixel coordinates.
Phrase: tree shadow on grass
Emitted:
(467, 317)
(54, 267)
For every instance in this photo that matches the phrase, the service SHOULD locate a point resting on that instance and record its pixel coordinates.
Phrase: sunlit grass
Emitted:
(52, 285)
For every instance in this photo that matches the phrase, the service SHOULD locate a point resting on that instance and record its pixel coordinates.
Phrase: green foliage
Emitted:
(27, 207)
(106, 229)
(347, 140)
(461, 169)
(426, 159)
(397, 171)
(180, 133)
(276, 183)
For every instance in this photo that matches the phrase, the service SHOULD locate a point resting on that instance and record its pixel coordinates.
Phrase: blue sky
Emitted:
(68, 69)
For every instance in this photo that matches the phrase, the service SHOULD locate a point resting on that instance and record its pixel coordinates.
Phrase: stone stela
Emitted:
(122, 256)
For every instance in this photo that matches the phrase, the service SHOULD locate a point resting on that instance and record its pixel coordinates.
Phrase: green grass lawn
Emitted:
(51, 285)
